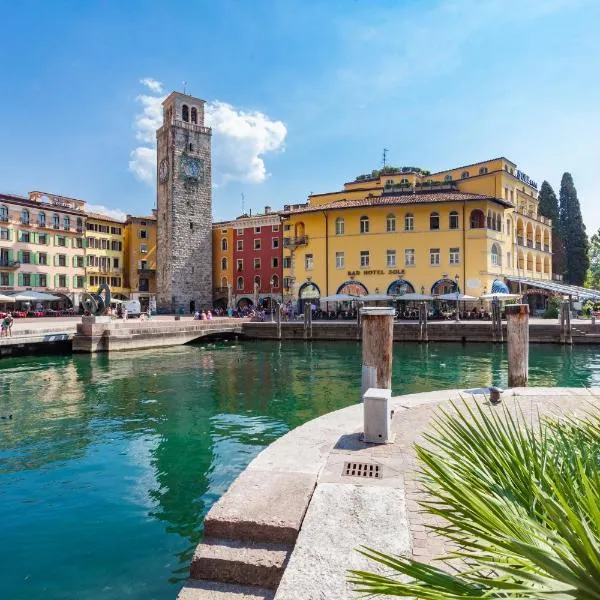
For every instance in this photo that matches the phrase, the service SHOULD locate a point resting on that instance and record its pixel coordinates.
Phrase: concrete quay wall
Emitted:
(442, 331)
(117, 336)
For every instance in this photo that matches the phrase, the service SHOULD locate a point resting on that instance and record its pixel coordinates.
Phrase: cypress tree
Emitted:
(573, 232)
(549, 208)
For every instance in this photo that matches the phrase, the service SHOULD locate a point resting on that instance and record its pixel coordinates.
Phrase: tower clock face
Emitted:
(192, 168)
(163, 170)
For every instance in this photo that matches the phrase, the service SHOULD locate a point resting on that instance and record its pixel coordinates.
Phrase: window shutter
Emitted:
(10, 254)
(34, 258)
(20, 279)
(19, 258)
(11, 278)
(34, 280)
(56, 260)
(9, 235)
(56, 281)
(74, 261)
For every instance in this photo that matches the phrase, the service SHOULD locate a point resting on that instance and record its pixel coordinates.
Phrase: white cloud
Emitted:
(143, 164)
(154, 86)
(114, 213)
(240, 139)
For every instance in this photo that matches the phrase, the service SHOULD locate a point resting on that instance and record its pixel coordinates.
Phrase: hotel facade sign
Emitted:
(525, 179)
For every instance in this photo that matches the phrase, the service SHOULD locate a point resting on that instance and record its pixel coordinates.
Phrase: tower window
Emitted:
(191, 147)
(185, 113)
(194, 115)
(191, 225)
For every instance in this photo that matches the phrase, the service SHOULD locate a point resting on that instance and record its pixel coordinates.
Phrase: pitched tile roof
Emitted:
(401, 200)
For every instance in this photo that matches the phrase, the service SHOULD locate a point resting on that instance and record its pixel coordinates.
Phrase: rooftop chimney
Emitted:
(267, 210)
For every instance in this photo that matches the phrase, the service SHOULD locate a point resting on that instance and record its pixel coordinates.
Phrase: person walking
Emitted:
(7, 324)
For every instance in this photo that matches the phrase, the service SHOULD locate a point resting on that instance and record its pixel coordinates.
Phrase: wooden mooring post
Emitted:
(497, 335)
(565, 323)
(278, 318)
(517, 338)
(423, 335)
(377, 342)
(307, 321)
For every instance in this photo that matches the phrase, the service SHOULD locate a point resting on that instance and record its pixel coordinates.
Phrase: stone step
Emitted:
(235, 561)
(211, 590)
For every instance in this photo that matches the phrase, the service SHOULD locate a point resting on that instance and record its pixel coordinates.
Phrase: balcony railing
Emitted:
(9, 264)
(530, 243)
(294, 242)
(520, 241)
(546, 248)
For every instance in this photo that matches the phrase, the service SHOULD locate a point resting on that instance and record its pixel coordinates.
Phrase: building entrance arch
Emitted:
(353, 288)
(444, 286)
(400, 287)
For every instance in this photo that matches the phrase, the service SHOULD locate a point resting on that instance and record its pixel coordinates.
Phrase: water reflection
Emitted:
(110, 463)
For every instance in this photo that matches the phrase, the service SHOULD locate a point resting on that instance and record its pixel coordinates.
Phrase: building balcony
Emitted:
(546, 248)
(146, 272)
(294, 242)
(9, 264)
(538, 246)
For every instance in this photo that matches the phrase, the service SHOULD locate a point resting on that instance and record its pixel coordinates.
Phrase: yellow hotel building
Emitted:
(408, 230)
(105, 254)
(140, 259)
(222, 252)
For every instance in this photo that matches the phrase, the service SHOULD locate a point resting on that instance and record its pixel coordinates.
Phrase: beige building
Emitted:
(42, 244)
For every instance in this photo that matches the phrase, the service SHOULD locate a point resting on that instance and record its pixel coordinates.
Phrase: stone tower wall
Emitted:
(184, 247)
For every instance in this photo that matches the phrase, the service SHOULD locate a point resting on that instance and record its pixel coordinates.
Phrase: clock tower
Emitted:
(184, 202)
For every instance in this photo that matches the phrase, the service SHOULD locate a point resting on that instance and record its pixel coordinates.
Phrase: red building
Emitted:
(257, 259)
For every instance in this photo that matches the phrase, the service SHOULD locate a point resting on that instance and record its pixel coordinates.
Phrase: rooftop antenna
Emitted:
(385, 151)
(185, 88)
(242, 203)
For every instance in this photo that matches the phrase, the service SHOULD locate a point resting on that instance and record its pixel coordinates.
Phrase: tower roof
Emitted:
(184, 96)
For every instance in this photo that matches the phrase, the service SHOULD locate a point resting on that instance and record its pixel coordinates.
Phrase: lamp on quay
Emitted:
(456, 278)
(271, 282)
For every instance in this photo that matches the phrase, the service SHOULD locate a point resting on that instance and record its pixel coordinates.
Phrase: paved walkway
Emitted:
(332, 513)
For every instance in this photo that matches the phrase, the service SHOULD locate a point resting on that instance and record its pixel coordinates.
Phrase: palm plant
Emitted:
(520, 506)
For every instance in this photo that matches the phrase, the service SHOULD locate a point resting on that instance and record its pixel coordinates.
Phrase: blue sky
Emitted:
(303, 94)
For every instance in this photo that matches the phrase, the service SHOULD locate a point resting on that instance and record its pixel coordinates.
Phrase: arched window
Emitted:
(274, 281)
(434, 220)
(483, 170)
(464, 174)
(194, 114)
(404, 181)
(223, 282)
(25, 216)
(185, 113)
(240, 283)
(391, 223)
(66, 223)
(489, 219)
(364, 224)
(223, 264)
(3, 213)
(224, 244)
(496, 255)
(79, 224)
(409, 222)
(453, 219)
(55, 221)
(477, 219)
(257, 281)
(339, 226)
(448, 178)
(42, 219)
(507, 226)
(529, 261)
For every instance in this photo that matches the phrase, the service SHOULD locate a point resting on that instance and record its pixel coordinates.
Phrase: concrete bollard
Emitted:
(377, 416)
(517, 338)
(377, 340)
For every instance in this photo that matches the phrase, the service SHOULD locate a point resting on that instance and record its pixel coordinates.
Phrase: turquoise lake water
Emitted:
(109, 464)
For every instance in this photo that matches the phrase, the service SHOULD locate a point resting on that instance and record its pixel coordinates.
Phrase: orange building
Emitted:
(140, 259)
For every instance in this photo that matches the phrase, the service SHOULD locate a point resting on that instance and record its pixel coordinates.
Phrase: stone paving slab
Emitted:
(263, 506)
(210, 590)
(339, 519)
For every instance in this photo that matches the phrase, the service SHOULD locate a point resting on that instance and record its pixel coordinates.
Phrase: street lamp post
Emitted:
(456, 278)
(271, 299)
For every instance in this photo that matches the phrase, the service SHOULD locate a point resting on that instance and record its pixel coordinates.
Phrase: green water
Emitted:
(110, 463)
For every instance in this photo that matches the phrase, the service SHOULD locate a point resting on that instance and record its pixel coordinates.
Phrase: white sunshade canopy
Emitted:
(34, 296)
(375, 298)
(456, 296)
(413, 296)
(499, 296)
(339, 298)
(4, 298)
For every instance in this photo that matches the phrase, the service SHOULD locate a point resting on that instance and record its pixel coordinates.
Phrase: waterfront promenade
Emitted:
(40, 336)
(288, 527)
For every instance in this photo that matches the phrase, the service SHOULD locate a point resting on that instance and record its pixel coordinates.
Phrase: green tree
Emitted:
(549, 208)
(573, 232)
(593, 275)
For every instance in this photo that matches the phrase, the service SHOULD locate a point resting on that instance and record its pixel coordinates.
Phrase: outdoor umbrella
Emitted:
(339, 298)
(456, 296)
(31, 296)
(412, 296)
(4, 298)
(499, 296)
(375, 297)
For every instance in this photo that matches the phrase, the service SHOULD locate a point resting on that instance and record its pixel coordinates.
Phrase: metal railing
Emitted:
(289, 242)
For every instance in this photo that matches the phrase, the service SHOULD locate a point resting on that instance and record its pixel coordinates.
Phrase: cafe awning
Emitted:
(558, 288)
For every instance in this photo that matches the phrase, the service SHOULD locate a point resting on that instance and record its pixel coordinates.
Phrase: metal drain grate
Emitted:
(356, 469)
